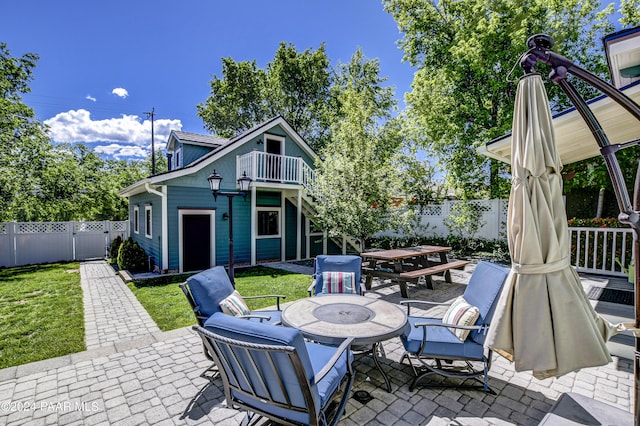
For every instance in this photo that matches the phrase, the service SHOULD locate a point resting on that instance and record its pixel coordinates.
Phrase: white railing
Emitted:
(601, 250)
(265, 167)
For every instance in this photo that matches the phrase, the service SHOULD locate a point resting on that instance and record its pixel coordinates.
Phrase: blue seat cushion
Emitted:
(482, 292)
(209, 288)
(319, 356)
(441, 342)
(336, 263)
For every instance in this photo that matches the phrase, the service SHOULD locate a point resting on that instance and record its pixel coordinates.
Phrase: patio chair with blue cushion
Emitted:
(272, 372)
(450, 345)
(336, 274)
(211, 291)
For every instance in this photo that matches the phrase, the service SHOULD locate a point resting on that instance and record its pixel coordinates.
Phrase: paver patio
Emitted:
(150, 377)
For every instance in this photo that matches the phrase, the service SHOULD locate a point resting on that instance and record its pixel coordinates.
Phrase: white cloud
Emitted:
(78, 126)
(119, 91)
(91, 98)
(121, 151)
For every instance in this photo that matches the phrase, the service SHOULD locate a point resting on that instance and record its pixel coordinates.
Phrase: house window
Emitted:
(176, 157)
(147, 221)
(136, 219)
(268, 222)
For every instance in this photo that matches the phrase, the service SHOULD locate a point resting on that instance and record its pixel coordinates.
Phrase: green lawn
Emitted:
(169, 308)
(41, 313)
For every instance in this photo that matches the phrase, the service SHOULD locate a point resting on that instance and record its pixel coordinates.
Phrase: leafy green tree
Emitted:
(236, 102)
(463, 92)
(357, 181)
(295, 85)
(22, 137)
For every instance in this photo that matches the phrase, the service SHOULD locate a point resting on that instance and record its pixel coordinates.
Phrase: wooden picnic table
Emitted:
(408, 264)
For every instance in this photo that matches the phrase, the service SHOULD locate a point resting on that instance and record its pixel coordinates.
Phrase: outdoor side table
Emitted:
(332, 318)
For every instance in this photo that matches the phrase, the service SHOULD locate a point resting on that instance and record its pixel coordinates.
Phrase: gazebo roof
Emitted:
(573, 137)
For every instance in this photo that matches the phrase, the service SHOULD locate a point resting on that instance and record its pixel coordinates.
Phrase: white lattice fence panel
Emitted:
(26, 243)
(43, 227)
(90, 227)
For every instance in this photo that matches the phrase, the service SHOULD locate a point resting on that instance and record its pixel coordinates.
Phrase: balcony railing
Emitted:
(264, 167)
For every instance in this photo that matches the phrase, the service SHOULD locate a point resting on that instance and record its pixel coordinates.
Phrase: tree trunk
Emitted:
(600, 203)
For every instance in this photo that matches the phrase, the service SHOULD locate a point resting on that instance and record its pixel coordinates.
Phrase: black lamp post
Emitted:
(244, 182)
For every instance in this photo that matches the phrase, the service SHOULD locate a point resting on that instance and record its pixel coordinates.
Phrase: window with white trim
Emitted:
(147, 221)
(136, 219)
(268, 219)
(176, 158)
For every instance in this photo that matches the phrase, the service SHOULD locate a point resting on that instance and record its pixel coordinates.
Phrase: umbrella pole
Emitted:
(636, 281)
(539, 51)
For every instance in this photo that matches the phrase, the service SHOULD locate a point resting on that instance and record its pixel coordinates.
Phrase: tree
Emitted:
(22, 137)
(357, 181)
(294, 85)
(463, 92)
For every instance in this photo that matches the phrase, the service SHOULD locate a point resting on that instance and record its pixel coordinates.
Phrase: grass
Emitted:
(170, 310)
(41, 313)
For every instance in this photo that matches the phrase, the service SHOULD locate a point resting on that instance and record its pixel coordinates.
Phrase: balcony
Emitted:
(264, 167)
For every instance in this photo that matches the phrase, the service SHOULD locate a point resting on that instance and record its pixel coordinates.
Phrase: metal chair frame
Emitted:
(256, 354)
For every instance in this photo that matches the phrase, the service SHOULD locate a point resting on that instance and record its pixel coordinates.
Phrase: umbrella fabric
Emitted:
(544, 321)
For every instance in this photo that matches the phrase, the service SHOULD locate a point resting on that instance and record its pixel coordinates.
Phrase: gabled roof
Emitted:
(573, 137)
(218, 153)
(195, 139)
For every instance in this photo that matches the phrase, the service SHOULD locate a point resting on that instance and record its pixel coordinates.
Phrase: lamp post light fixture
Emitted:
(244, 183)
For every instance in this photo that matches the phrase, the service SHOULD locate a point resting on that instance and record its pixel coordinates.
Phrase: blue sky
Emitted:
(103, 64)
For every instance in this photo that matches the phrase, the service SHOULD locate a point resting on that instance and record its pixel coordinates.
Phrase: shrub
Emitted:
(604, 222)
(115, 247)
(132, 257)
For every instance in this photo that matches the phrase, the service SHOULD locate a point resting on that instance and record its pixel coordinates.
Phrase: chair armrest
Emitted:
(260, 317)
(311, 288)
(344, 346)
(263, 296)
(439, 324)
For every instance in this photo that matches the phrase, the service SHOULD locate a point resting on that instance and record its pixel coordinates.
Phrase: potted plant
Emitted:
(630, 271)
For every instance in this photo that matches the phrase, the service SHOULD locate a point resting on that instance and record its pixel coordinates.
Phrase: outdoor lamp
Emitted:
(243, 182)
(214, 182)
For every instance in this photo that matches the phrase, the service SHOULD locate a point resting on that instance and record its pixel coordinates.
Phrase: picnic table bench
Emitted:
(408, 265)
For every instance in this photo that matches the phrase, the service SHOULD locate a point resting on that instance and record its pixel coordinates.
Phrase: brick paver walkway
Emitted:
(111, 312)
(154, 379)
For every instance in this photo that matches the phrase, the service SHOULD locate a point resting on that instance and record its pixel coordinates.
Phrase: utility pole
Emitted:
(153, 147)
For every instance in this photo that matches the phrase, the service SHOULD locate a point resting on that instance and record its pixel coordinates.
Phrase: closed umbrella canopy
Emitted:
(544, 321)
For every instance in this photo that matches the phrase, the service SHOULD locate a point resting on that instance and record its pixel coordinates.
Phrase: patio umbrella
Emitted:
(544, 321)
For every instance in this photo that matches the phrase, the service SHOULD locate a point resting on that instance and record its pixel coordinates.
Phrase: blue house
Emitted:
(174, 217)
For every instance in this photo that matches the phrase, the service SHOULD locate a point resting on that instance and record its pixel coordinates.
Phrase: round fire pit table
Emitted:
(332, 318)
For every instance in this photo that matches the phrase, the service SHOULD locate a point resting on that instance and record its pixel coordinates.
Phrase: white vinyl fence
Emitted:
(27, 243)
(492, 221)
